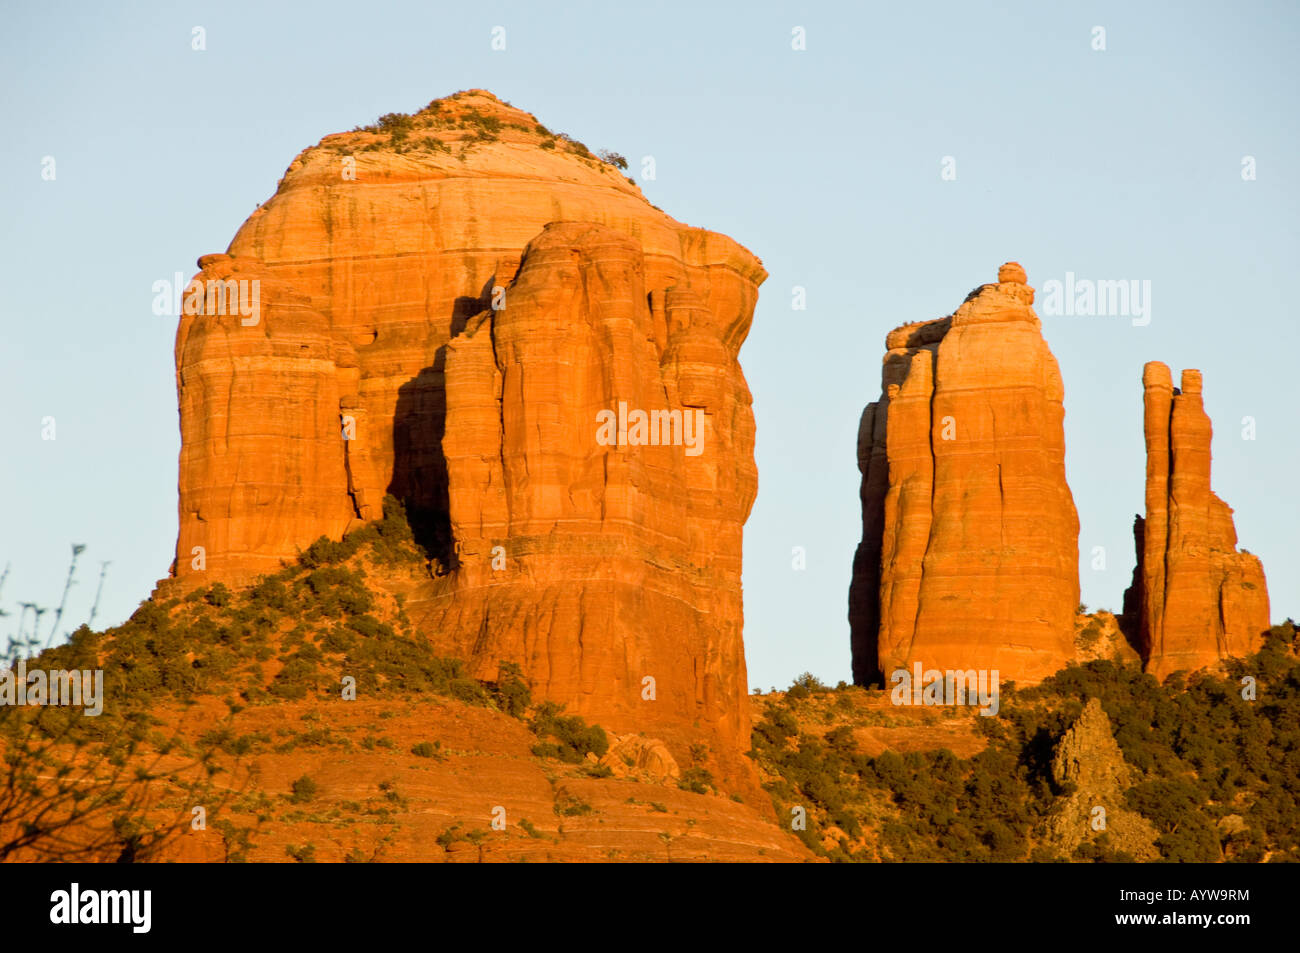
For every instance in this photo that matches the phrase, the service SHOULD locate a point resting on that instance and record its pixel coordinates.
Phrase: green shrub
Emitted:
(323, 552)
(426, 749)
(270, 593)
(488, 124)
(397, 125)
(568, 804)
(612, 158)
(510, 690)
(218, 595)
(303, 790)
(306, 854)
(573, 737)
(697, 780)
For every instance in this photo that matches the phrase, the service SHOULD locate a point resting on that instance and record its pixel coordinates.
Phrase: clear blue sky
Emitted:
(1116, 164)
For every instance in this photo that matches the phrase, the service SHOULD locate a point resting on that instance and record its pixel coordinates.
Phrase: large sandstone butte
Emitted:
(1199, 599)
(969, 553)
(460, 293)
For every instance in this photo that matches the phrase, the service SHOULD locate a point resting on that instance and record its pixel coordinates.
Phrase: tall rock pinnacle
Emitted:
(969, 554)
(1200, 598)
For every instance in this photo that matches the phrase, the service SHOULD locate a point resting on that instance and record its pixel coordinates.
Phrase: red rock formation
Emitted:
(970, 537)
(1200, 598)
(261, 454)
(598, 567)
(391, 305)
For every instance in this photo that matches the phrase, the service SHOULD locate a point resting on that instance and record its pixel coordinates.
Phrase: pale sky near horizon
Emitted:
(1117, 164)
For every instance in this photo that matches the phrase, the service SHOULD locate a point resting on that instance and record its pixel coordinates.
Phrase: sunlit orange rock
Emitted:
(262, 464)
(609, 570)
(1201, 599)
(447, 303)
(970, 536)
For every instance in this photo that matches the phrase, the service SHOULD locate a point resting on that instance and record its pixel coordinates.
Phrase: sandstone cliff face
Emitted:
(446, 310)
(611, 572)
(1199, 598)
(970, 536)
(261, 448)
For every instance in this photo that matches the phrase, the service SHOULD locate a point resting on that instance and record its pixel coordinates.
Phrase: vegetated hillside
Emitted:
(1215, 776)
(234, 701)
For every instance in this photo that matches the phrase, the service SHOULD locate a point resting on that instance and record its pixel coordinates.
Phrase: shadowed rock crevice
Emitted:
(419, 465)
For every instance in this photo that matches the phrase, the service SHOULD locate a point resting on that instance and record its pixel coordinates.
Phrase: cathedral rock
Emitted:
(448, 303)
(1197, 598)
(969, 553)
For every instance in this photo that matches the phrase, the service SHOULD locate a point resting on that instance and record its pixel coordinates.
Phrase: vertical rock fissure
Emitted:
(347, 474)
(499, 395)
(934, 484)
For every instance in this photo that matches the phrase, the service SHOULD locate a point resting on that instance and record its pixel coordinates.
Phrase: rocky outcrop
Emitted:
(1197, 598)
(970, 536)
(606, 561)
(449, 302)
(393, 238)
(1099, 637)
(262, 463)
(632, 756)
(1090, 767)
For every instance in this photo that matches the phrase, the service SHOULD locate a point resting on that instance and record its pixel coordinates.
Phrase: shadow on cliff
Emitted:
(419, 463)
(1130, 617)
